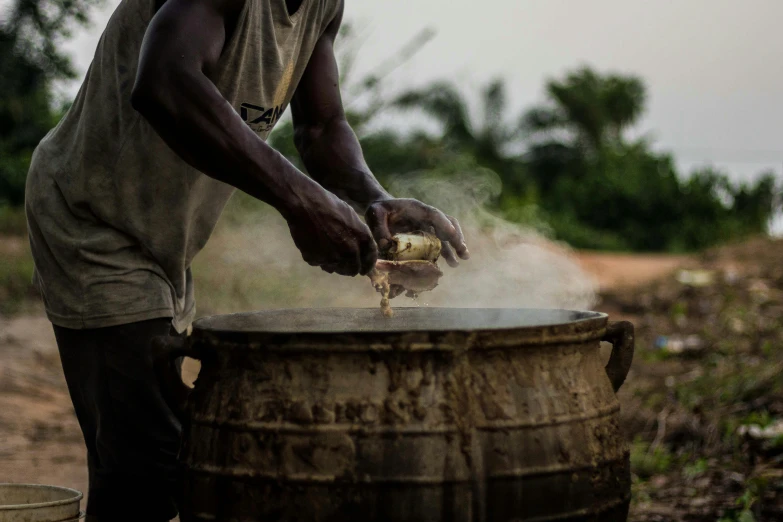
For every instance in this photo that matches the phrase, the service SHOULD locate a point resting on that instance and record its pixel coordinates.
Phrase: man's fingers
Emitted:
(463, 251)
(449, 232)
(377, 218)
(310, 259)
(345, 268)
(368, 256)
(306, 256)
(446, 228)
(448, 255)
(350, 267)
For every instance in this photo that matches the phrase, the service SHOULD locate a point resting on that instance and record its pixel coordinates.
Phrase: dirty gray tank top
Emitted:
(115, 216)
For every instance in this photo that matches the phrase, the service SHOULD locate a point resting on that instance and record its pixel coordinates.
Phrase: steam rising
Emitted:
(511, 265)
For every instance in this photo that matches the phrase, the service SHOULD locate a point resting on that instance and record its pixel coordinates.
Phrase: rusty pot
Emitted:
(435, 415)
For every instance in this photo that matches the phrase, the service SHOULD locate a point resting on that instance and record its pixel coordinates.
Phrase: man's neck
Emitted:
(292, 5)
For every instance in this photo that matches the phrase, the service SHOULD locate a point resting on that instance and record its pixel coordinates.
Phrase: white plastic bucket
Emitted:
(37, 503)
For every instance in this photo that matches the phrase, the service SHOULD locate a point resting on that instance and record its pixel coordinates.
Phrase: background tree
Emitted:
(598, 190)
(31, 62)
(365, 98)
(489, 140)
(567, 160)
(586, 110)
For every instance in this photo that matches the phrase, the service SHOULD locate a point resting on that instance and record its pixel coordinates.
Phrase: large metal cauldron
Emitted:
(437, 415)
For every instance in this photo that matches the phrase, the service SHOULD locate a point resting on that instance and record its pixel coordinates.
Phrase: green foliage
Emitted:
(487, 139)
(16, 273)
(636, 198)
(31, 61)
(761, 418)
(695, 469)
(679, 310)
(36, 30)
(754, 490)
(578, 172)
(595, 189)
(569, 228)
(647, 461)
(744, 515)
(603, 192)
(13, 174)
(592, 109)
(639, 492)
(12, 221)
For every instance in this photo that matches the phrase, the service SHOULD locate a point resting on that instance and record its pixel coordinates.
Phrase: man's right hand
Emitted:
(331, 235)
(175, 93)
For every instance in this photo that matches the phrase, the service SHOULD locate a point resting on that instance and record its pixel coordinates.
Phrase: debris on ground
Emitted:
(703, 404)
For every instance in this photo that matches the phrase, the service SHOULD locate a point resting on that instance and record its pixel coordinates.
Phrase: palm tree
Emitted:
(586, 110)
(488, 140)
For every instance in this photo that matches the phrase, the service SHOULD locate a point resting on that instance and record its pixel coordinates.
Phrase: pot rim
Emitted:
(76, 496)
(586, 326)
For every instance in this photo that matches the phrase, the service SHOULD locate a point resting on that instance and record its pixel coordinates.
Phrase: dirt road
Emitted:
(40, 441)
(619, 270)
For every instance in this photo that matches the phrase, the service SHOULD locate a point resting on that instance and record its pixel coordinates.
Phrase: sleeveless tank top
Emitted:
(115, 217)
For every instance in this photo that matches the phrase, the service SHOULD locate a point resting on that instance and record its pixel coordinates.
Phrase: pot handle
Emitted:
(620, 335)
(165, 350)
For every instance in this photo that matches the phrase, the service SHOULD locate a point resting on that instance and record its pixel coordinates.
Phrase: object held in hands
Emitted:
(419, 246)
(409, 264)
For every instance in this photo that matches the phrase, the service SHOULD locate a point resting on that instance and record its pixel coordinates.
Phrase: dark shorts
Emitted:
(128, 417)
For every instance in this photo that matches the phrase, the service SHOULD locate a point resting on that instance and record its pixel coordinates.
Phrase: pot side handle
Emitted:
(165, 350)
(621, 336)
(170, 347)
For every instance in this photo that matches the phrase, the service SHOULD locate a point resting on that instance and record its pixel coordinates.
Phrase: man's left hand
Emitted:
(393, 216)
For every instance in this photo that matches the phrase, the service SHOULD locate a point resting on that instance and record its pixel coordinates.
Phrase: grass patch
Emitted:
(16, 273)
(12, 221)
(754, 491)
(647, 462)
(730, 382)
(695, 469)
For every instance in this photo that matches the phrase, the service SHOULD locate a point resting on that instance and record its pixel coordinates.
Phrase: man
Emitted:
(122, 194)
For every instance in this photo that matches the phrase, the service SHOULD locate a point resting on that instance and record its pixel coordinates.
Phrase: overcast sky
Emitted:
(712, 67)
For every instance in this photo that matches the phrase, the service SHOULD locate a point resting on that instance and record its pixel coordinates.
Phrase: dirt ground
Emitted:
(612, 271)
(40, 441)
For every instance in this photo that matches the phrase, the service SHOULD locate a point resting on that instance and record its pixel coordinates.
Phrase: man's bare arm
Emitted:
(325, 141)
(331, 152)
(174, 92)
